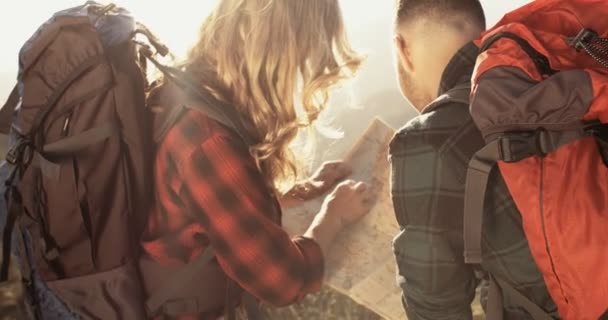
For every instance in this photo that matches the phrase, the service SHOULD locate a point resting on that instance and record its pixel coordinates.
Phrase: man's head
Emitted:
(427, 35)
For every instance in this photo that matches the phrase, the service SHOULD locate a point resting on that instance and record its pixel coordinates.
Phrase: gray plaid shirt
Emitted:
(429, 158)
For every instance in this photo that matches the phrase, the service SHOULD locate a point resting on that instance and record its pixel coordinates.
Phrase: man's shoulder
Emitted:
(437, 127)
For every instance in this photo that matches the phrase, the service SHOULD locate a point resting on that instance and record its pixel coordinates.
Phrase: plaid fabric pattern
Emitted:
(429, 159)
(210, 192)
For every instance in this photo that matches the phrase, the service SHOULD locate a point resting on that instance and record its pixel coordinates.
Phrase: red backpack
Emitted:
(540, 99)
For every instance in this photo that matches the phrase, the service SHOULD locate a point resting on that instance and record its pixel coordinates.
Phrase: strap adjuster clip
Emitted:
(20, 153)
(516, 146)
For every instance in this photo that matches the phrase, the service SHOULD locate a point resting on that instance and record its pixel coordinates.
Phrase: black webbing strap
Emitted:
(82, 140)
(495, 307)
(6, 113)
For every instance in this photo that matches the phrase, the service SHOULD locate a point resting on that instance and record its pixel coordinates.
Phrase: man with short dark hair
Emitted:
(430, 156)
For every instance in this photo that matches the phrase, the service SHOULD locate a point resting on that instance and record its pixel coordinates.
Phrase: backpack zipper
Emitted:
(543, 225)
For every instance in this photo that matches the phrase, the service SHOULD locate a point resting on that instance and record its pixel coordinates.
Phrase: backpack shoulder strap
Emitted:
(6, 113)
(195, 99)
(500, 288)
(165, 121)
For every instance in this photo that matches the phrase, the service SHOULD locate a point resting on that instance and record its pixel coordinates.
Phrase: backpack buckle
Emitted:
(20, 153)
(49, 251)
(12, 157)
(516, 146)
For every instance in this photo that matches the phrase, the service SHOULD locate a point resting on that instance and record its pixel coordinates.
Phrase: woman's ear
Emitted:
(403, 53)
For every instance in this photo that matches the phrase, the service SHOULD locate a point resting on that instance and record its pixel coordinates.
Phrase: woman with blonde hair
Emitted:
(270, 65)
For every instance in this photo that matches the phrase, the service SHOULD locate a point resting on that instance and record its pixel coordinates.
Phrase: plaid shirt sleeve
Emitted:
(428, 196)
(223, 196)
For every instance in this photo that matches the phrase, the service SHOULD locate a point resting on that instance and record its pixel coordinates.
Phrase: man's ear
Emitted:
(404, 52)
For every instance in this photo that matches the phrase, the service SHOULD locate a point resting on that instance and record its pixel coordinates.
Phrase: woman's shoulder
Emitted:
(195, 128)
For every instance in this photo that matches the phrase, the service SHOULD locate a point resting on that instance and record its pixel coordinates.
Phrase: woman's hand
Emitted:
(321, 182)
(347, 204)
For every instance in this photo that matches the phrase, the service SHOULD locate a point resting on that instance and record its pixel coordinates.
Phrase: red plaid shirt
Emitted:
(204, 167)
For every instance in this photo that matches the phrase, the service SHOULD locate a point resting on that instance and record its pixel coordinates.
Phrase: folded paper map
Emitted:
(360, 263)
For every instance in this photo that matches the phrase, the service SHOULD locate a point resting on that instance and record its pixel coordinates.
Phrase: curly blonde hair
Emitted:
(256, 54)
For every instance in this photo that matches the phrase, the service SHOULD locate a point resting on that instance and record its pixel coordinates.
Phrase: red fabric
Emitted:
(208, 190)
(574, 224)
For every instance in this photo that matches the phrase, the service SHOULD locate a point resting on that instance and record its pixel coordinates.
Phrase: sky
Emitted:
(368, 24)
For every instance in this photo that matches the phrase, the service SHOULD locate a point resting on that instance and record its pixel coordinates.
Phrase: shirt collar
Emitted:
(460, 68)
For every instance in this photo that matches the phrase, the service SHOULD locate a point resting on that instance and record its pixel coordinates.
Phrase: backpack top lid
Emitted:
(113, 24)
(534, 44)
